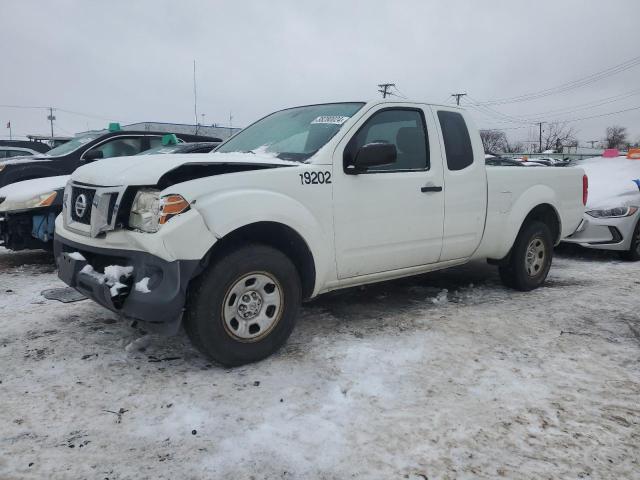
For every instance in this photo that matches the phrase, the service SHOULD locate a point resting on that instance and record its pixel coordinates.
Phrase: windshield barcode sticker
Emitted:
(332, 119)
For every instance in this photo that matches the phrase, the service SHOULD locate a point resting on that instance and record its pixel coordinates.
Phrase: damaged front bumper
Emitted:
(158, 299)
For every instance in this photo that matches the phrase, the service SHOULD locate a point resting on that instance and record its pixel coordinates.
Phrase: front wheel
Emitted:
(633, 254)
(530, 259)
(244, 306)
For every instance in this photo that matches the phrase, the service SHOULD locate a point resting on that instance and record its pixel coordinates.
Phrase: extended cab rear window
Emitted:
(457, 143)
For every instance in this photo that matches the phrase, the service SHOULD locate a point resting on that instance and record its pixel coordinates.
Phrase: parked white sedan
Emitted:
(612, 219)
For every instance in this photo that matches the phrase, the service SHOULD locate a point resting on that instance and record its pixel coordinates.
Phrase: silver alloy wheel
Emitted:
(535, 257)
(252, 306)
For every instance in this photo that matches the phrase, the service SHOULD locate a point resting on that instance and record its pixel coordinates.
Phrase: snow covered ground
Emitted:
(397, 380)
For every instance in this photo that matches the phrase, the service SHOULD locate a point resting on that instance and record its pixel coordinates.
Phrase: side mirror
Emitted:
(92, 155)
(373, 154)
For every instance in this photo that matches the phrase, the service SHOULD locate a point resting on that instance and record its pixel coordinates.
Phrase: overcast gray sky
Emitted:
(132, 60)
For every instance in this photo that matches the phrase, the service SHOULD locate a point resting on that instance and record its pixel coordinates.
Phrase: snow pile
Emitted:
(143, 285)
(115, 272)
(111, 276)
(139, 344)
(259, 155)
(442, 297)
(77, 256)
(612, 182)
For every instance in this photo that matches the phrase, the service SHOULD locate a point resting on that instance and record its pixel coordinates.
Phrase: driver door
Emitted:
(390, 216)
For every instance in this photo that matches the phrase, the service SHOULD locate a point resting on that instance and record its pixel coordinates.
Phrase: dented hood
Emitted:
(149, 169)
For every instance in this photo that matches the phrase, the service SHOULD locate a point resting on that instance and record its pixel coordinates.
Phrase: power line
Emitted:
(495, 113)
(71, 112)
(572, 119)
(22, 106)
(536, 117)
(401, 95)
(581, 82)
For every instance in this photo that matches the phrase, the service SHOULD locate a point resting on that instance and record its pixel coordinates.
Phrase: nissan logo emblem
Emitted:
(81, 205)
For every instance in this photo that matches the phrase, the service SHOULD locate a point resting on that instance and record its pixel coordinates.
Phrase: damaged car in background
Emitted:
(28, 209)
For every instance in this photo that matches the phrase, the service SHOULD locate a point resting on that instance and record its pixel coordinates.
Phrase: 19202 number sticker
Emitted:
(315, 178)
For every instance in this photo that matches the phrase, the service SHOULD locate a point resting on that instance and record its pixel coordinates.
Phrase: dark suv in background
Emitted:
(64, 159)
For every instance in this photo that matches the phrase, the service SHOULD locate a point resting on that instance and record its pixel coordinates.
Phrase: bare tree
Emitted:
(557, 135)
(493, 141)
(517, 147)
(616, 137)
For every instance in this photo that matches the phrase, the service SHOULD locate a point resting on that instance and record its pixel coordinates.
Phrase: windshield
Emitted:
(72, 145)
(293, 134)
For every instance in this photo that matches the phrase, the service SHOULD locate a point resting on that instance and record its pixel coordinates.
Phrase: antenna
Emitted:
(195, 97)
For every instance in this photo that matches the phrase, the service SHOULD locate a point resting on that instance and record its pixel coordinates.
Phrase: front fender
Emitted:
(226, 211)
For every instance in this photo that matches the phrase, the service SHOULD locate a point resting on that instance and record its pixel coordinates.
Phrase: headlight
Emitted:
(149, 210)
(37, 201)
(613, 212)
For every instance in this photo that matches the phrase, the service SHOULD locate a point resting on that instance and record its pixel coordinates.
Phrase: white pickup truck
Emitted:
(302, 202)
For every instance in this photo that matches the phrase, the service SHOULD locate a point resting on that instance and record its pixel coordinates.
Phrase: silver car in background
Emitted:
(612, 217)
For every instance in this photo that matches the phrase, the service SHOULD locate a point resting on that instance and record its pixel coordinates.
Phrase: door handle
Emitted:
(431, 189)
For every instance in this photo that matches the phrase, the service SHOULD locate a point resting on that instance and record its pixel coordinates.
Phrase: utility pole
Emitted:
(230, 124)
(540, 137)
(384, 89)
(51, 118)
(9, 127)
(458, 97)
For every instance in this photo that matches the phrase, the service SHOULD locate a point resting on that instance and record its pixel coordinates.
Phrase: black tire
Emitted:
(205, 313)
(633, 254)
(515, 274)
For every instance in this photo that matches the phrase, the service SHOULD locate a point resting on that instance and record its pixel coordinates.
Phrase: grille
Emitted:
(85, 218)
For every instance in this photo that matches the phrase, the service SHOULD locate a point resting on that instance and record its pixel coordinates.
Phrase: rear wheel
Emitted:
(530, 259)
(633, 254)
(244, 306)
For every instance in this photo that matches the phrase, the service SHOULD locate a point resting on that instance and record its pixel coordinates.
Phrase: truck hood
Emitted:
(149, 169)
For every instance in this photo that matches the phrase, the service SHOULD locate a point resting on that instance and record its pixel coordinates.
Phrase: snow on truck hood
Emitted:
(148, 169)
(611, 182)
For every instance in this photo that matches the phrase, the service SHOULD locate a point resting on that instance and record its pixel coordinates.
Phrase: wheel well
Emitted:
(546, 214)
(276, 235)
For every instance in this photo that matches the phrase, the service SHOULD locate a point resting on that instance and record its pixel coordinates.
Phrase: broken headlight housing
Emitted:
(613, 212)
(149, 210)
